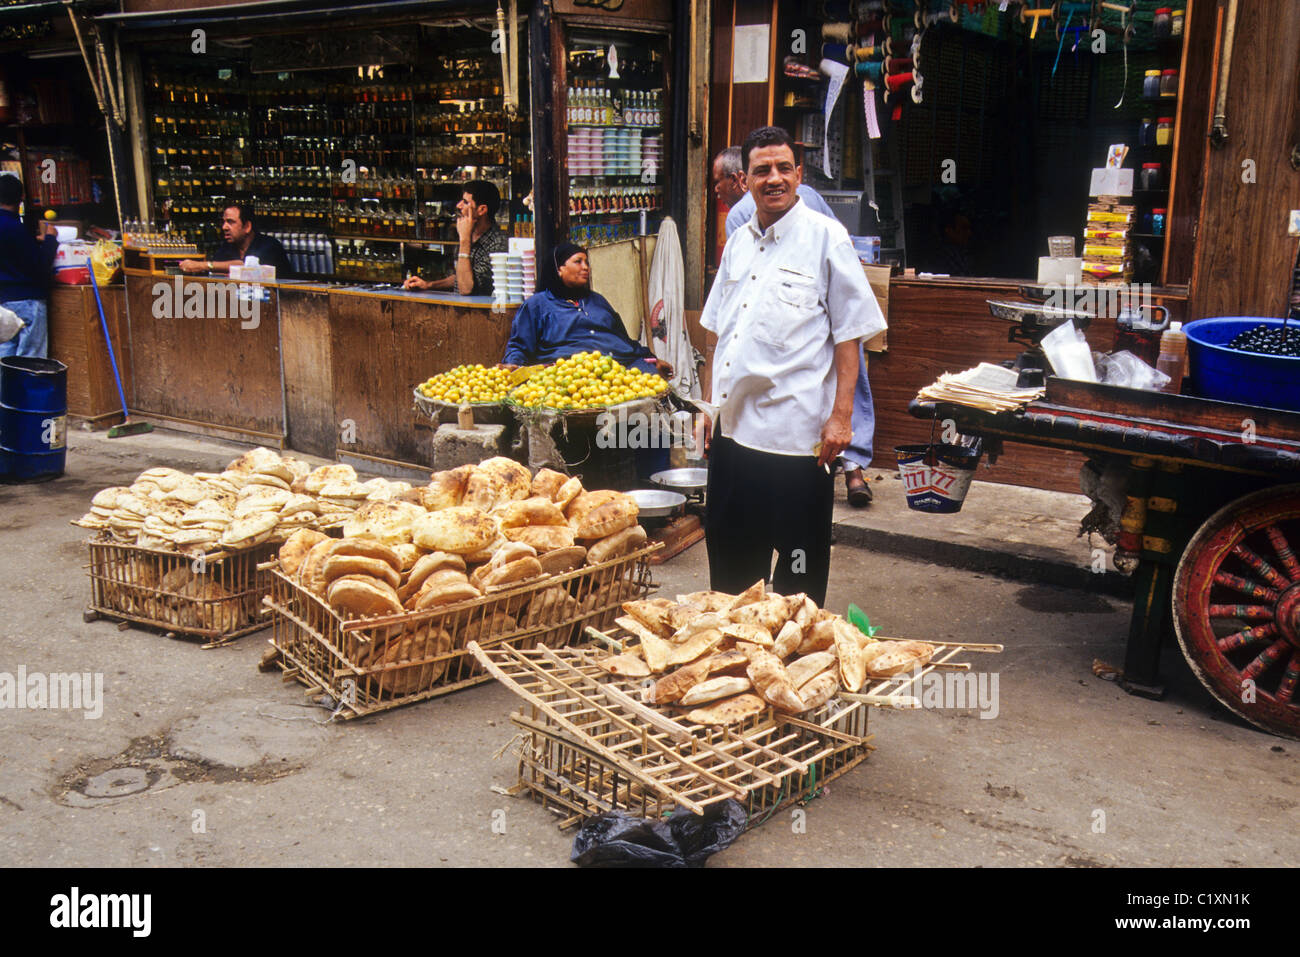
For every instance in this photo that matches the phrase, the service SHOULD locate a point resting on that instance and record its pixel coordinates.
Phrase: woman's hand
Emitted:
(508, 366)
(664, 369)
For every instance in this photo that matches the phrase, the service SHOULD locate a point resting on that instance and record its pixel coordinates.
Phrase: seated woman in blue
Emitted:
(567, 318)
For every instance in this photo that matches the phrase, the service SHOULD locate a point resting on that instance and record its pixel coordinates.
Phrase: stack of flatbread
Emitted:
(260, 496)
(726, 658)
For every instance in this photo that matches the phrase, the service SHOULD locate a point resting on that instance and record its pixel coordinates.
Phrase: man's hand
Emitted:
(47, 229)
(837, 433)
(664, 369)
(703, 434)
(415, 282)
(509, 367)
(193, 265)
(465, 224)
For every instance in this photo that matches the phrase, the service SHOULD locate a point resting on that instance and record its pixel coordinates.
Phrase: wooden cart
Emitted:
(1211, 521)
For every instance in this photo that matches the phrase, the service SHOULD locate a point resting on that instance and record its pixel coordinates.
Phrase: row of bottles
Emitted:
(366, 262)
(613, 199)
(596, 234)
(590, 104)
(310, 254)
(371, 219)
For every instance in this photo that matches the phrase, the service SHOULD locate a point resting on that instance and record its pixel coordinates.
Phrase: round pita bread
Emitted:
(547, 482)
(544, 538)
(514, 479)
(337, 566)
(295, 549)
(462, 530)
(359, 596)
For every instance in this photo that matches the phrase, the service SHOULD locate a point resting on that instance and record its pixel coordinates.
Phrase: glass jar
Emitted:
(1151, 84)
(1146, 222)
(1176, 22)
(1158, 221)
(1164, 131)
(1147, 132)
(1162, 25)
(1150, 176)
(1169, 83)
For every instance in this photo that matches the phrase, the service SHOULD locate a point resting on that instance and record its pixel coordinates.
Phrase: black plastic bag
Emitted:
(617, 839)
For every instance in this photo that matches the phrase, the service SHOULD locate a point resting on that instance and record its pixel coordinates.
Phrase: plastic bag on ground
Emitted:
(618, 839)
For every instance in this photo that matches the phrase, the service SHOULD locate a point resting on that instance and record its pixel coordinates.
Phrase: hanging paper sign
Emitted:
(837, 72)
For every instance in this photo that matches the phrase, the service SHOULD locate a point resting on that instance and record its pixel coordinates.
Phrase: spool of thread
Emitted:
(870, 52)
(869, 27)
(896, 81)
(872, 71)
(835, 10)
(838, 52)
(897, 64)
(863, 8)
(1076, 8)
(929, 19)
(837, 32)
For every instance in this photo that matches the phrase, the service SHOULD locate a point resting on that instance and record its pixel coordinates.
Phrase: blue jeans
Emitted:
(33, 341)
(858, 455)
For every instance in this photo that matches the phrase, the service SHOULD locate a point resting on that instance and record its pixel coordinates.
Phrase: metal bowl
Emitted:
(688, 480)
(653, 503)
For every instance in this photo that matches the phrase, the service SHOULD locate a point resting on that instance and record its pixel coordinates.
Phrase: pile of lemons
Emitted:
(588, 380)
(467, 384)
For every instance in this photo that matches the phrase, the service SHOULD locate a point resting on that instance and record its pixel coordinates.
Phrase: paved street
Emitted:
(229, 766)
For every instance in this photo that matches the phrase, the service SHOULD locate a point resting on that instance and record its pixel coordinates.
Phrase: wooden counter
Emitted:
(382, 346)
(944, 325)
(217, 372)
(323, 370)
(77, 340)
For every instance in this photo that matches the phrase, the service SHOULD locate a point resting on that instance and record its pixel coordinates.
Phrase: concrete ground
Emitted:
(199, 758)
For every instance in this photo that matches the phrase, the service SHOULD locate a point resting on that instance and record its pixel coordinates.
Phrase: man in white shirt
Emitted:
(788, 308)
(729, 186)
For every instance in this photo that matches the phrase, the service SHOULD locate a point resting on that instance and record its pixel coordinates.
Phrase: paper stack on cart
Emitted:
(989, 387)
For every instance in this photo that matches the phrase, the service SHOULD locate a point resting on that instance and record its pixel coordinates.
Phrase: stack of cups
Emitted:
(611, 154)
(515, 277)
(530, 272)
(652, 150)
(499, 273)
(580, 142)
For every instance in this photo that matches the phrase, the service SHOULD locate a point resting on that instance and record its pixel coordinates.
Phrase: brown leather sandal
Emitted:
(858, 488)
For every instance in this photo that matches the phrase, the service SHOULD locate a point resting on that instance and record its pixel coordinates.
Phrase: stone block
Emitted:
(453, 446)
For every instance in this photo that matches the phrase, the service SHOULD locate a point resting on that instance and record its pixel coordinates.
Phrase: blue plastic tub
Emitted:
(1231, 375)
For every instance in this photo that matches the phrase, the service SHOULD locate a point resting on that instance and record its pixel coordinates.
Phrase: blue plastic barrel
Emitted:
(33, 418)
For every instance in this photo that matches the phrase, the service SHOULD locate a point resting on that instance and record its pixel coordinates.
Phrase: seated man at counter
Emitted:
(238, 227)
(479, 237)
(567, 318)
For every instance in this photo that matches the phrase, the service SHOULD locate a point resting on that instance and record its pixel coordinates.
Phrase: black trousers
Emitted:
(758, 503)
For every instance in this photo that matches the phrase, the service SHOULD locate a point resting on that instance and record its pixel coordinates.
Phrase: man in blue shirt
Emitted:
(729, 185)
(24, 273)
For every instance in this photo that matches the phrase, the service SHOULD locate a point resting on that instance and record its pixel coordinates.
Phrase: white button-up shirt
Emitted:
(781, 302)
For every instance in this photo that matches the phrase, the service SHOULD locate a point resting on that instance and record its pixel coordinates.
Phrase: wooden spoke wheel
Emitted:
(1237, 607)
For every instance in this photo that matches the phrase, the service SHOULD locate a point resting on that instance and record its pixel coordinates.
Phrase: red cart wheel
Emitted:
(1237, 608)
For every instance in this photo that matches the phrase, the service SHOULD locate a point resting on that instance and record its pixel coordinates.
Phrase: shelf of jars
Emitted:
(347, 174)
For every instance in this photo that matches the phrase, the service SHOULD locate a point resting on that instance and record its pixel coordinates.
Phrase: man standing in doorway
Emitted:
(729, 185)
(788, 308)
(24, 273)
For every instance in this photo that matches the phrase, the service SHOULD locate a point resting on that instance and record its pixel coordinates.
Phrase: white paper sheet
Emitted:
(749, 53)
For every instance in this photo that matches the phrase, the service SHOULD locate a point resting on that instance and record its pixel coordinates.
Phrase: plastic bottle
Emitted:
(1173, 357)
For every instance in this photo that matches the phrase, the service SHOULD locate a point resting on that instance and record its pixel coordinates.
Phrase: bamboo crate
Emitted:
(216, 596)
(588, 744)
(341, 658)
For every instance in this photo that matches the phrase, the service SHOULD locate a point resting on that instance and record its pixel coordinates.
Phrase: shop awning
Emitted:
(262, 13)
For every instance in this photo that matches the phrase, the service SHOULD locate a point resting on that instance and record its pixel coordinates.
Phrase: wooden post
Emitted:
(546, 181)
